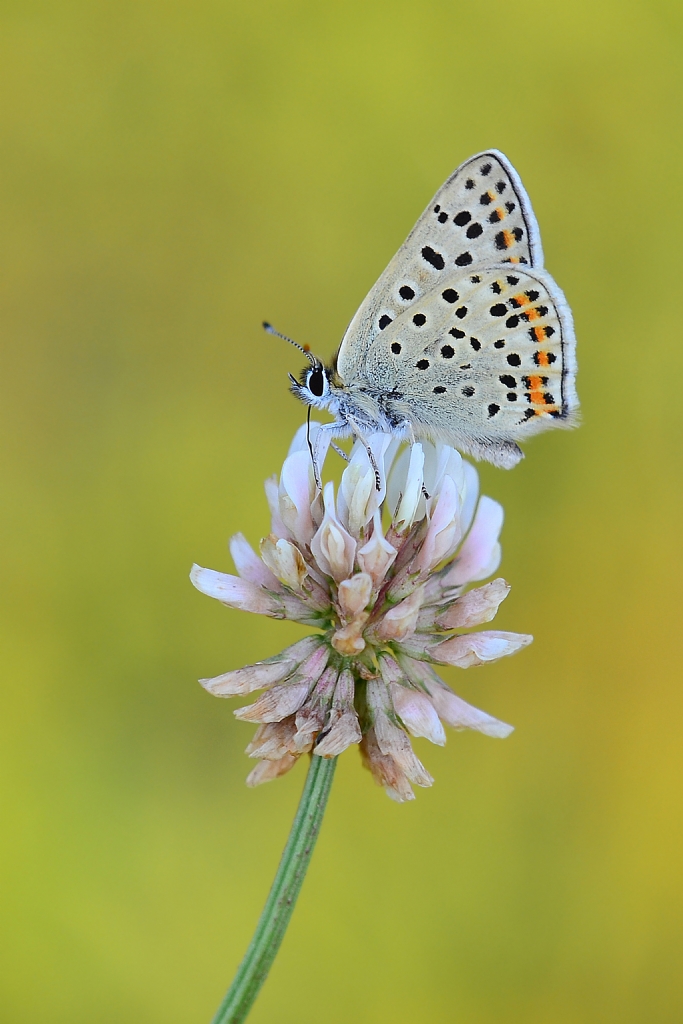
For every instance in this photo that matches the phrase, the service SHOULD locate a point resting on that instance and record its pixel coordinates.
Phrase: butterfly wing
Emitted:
(480, 361)
(479, 217)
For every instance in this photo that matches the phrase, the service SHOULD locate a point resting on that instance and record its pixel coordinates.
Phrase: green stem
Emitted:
(270, 930)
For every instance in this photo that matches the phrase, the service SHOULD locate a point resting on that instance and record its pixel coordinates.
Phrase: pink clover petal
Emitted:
(417, 712)
(273, 740)
(311, 716)
(475, 607)
(342, 731)
(277, 527)
(275, 704)
(333, 546)
(266, 771)
(391, 740)
(454, 711)
(443, 533)
(400, 621)
(479, 555)
(245, 680)
(235, 592)
(385, 771)
(471, 649)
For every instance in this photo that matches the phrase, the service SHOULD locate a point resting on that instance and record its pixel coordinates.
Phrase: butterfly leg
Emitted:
(336, 430)
(371, 456)
(340, 451)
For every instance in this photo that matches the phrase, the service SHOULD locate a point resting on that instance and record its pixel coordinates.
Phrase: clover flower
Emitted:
(383, 575)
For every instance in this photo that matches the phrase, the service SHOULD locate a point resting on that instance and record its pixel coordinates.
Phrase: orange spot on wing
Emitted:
(536, 390)
(533, 314)
(521, 299)
(508, 238)
(541, 357)
(513, 259)
(539, 332)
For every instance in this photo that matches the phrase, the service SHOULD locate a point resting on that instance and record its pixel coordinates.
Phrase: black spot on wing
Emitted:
(435, 259)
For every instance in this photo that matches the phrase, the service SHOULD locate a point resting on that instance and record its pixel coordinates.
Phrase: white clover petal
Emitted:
(359, 498)
(296, 493)
(263, 673)
(354, 594)
(277, 527)
(285, 561)
(235, 592)
(472, 649)
(406, 485)
(460, 715)
(378, 555)
(470, 495)
(479, 555)
(333, 546)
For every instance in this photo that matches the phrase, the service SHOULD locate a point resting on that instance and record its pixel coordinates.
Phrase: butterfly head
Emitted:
(313, 385)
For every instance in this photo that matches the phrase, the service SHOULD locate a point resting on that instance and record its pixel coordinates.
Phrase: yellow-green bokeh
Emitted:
(171, 174)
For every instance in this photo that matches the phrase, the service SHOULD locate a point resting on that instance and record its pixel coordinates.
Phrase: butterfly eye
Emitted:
(316, 382)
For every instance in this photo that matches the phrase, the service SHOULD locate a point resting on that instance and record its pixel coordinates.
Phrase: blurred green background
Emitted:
(170, 174)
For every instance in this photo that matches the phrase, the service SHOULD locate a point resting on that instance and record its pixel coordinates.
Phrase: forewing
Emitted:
(480, 216)
(482, 356)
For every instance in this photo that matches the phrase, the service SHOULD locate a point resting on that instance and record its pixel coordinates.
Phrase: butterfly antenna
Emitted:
(302, 348)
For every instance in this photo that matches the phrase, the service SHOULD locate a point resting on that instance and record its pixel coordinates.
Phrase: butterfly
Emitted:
(465, 338)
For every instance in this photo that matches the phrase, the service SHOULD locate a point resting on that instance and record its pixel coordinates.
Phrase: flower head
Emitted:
(383, 574)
